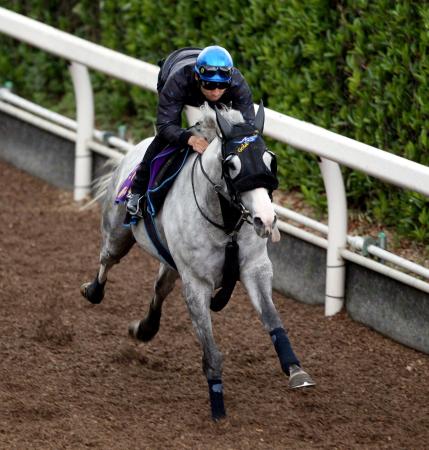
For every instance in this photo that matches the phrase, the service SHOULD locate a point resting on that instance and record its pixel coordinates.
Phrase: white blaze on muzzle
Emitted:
(264, 219)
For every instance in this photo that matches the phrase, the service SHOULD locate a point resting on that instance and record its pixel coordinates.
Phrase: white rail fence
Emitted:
(332, 149)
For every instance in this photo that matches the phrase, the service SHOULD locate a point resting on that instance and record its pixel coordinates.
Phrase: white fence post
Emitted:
(337, 235)
(85, 128)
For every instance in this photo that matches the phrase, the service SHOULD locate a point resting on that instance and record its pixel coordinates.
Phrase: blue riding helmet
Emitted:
(215, 64)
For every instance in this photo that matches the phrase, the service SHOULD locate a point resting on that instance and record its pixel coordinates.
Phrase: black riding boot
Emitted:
(141, 179)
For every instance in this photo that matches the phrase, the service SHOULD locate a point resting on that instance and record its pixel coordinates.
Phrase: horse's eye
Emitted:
(233, 164)
(268, 159)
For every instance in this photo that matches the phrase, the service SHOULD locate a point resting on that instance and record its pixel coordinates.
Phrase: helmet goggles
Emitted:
(212, 85)
(211, 71)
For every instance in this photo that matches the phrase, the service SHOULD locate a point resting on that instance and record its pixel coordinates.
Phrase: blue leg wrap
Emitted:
(284, 349)
(216, 399)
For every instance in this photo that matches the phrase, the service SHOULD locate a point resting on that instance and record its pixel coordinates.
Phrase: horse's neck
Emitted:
(211, 161)
(212, 166)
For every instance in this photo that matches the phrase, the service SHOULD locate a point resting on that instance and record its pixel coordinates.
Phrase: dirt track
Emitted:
(71, 378)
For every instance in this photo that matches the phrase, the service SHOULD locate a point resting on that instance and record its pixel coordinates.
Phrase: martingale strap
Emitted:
(233, 216)
(230, 276)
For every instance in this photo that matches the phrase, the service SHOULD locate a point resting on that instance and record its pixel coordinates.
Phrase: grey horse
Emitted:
(186, 226)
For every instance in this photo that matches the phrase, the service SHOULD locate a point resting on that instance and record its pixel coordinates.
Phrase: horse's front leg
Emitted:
(198, 299)
(258, 282)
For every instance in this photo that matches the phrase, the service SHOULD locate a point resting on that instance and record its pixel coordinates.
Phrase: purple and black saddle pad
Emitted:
(164, 169)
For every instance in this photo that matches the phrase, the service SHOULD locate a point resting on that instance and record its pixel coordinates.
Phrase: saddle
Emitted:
(164, 169)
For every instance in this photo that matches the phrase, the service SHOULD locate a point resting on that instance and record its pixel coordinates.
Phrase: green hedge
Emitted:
(357, 68)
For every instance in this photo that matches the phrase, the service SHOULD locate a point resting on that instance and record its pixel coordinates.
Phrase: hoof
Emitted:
(299, 378)
(133, 329)
(93, 292)
(84, 289)
(219, 418)
(143, 330)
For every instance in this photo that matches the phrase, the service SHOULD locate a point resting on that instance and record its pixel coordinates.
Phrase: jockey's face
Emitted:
(212, 95)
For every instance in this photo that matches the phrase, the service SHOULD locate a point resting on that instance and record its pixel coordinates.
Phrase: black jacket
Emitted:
(178, 87)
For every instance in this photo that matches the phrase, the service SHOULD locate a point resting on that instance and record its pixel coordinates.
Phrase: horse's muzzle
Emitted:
(266, 228)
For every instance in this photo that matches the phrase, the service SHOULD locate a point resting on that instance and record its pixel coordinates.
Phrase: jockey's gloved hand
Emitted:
(133, 204)
(198, 144)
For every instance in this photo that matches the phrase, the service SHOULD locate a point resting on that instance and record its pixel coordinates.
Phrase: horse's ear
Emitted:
(224, 125)
(260, 118)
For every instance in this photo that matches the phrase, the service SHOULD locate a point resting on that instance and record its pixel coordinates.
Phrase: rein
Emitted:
(227, 205)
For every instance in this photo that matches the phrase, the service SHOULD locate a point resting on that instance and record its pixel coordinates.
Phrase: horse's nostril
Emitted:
(258, 222)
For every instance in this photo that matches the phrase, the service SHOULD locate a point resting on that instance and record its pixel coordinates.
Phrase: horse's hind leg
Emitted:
(116, 244)
(259, 287)
(144, 330)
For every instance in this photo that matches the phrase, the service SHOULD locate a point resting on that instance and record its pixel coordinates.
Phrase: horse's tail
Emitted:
(101, 183)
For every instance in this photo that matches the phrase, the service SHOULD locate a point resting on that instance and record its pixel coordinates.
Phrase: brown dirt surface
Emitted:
(70, 378)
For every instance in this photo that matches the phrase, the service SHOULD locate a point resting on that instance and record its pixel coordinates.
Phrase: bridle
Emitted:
(234, 213)
(242, 150)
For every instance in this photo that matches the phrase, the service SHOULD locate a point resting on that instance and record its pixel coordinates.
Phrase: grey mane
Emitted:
(207, 126)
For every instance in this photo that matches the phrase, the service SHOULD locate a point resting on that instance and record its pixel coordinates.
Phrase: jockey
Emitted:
(190, 76)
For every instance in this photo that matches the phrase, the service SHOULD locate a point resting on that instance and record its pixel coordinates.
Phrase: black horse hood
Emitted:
(247, 163)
